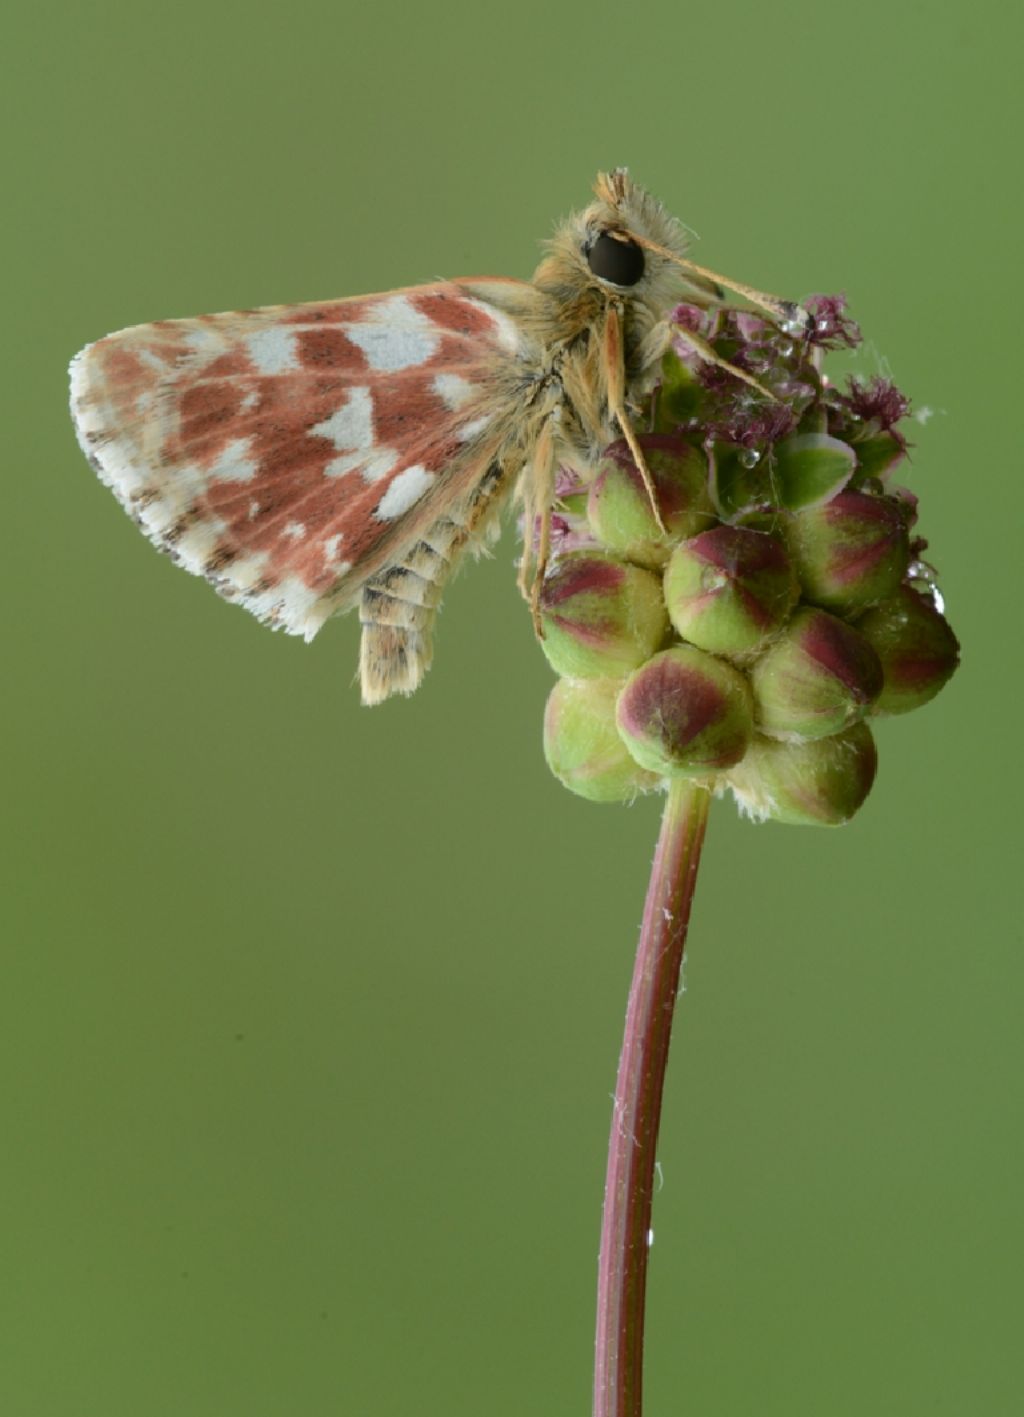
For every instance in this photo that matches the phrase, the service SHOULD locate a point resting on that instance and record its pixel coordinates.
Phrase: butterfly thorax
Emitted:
(558, 371)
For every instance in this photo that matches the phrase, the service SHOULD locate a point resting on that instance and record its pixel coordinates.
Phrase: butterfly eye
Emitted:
(616, 259)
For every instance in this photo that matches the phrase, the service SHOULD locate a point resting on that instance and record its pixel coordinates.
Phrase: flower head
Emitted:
(744, 631)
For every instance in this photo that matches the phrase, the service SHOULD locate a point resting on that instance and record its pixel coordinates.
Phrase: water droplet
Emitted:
(925, 580)
(931, 593)
(750, 457)
(650, 1238)
(796, 321)
(785, 350)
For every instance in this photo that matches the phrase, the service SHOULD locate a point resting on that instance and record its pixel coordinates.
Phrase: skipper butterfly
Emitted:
(306, 458)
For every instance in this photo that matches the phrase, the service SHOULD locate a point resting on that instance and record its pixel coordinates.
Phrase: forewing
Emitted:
(280, 451)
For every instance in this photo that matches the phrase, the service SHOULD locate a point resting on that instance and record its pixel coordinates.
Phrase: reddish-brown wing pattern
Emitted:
(277, 451)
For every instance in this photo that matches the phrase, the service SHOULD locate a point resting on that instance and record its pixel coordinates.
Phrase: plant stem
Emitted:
(629, 1185)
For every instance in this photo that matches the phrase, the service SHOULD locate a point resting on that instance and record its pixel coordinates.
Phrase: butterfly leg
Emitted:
(615, 383)
(538, 493)
(705, 351)
(545, 464)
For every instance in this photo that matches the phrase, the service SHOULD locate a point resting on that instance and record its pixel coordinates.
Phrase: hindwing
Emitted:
(289, 453)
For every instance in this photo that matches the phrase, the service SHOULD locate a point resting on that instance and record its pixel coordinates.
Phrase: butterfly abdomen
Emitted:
(399, 604)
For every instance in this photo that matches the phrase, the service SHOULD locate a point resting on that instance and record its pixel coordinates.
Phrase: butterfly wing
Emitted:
(289, 453)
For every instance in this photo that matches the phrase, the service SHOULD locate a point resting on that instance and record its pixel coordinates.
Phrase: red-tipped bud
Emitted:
(685, 713)
(619, 506)
(729, 588)
(818, 677)
(582, 743)
(601, 616)
(851, 551)
(916, 646)
(819, 784)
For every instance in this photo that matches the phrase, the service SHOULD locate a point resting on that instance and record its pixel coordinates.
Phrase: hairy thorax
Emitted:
(558, 373)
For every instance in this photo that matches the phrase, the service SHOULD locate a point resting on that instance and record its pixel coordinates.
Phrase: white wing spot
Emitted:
(272, 350)
(295, 530)
(469, 430)
(405, 491)
(331, 558)
(508, 331)
(201, 339)
(394, 334)
(350, 429)
(373, 465)
(351, 425)
(453, 390)
(249, 402)
(378, 464)
(152, 360)
(233, 463)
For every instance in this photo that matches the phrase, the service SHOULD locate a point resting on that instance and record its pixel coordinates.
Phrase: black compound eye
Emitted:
(616, 259)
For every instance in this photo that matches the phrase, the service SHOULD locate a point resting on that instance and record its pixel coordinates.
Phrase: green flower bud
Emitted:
(685, 713)
(601, 616)
(916, 646)
(879, 455)
(807, 784)
(817, 678)
(850, 551)
(729, 588)
(619, 508)
(810, 468)
(582, 743)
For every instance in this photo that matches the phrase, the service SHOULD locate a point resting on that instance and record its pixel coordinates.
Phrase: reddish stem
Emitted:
(629, 1185)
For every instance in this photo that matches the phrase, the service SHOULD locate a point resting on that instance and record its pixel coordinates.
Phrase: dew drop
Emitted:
(750, 457)
(797, 321)
(925, 580)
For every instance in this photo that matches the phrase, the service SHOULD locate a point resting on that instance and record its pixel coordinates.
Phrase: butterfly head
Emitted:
(625, 243)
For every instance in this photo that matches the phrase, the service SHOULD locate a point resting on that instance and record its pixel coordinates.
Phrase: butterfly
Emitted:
(307, 458)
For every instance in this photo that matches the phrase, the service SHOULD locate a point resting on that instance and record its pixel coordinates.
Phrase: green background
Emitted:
(310, 1014)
